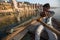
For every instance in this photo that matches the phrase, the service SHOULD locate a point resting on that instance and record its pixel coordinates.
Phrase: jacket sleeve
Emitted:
(49, 20)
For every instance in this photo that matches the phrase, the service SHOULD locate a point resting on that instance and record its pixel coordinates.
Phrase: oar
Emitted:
(50, 28)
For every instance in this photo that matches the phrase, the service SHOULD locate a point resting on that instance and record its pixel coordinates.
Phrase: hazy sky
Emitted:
(52, 2)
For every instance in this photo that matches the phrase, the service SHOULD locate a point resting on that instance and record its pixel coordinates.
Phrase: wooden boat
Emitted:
(23, 34)
(18, 31)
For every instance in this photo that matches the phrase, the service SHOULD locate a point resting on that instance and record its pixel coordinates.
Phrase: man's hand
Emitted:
(45, 14)
(42, 14)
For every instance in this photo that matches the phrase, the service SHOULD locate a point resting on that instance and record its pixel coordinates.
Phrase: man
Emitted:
(47, 16)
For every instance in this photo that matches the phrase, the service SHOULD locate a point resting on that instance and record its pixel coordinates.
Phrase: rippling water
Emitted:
(57, 13)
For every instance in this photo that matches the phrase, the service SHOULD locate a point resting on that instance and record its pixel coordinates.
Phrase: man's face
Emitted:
(46, 8)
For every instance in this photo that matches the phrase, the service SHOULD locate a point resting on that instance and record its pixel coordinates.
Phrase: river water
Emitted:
(57, 13)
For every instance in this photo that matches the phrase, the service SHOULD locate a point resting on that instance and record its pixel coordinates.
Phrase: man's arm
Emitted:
(50, 17)
(42, 14)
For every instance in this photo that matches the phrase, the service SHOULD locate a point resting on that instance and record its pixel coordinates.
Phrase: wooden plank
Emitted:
(17, 30)
(4, 11)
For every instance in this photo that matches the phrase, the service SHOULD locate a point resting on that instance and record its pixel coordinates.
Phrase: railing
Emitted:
(21, 16)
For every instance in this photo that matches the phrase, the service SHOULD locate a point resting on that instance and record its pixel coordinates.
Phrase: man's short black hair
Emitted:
(46, 5)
